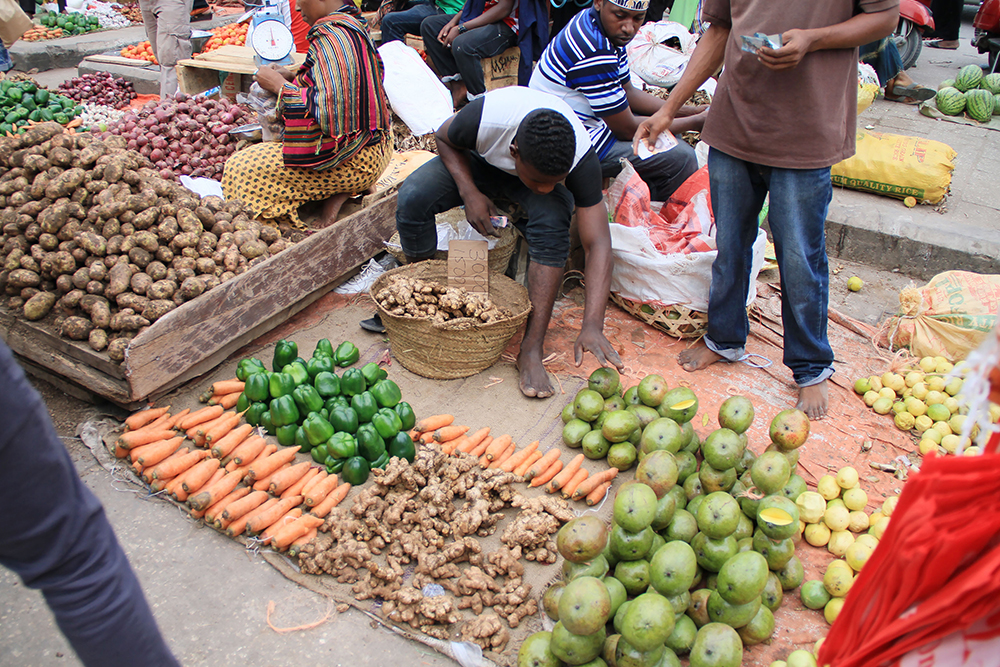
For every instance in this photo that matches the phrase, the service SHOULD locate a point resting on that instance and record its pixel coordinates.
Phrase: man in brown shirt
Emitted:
(780, 119)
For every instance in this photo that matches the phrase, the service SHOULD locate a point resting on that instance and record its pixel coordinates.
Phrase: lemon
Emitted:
(875, 382)
(855, 499)
(838, 580)
(938, 412)
(870, 397)
(811, 506)
(933, 434)
(904, 421)
(942, 428)
(837, 518)
(912, 378)
(857, 555)
(889, 505)
(883, 405)
(847, 478)
(832, 609)
(887, 392)
(874, 517)
(817, 534)
(840, 541)
(942, 365)
(858, 522)
(898, 407)
(867, 539)
(971, 451)
(855, 284)
(922, 423)
(915, 406)
(927, 364)
(878, 529)
(927, 445)
(951, 442)
(936, 383)
(920, 390)
(828, 487)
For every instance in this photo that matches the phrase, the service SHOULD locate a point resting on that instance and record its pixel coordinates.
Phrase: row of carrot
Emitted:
(224, 393)
(538, 469)
(281, 502)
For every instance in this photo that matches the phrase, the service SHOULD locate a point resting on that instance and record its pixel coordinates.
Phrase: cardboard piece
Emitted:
(468, 266)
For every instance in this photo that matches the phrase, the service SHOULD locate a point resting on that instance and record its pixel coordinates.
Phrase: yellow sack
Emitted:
(868, 87)
(898, 166)
(949, 317)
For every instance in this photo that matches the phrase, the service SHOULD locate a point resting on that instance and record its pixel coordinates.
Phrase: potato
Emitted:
(189, 222)
(64, 184)
(127, 217)
(82, 197)
(206, 244)
(213, 203)
(28, 292)
(39, 305)
(40, 133)
(131, 300)
(97, 339)
(76, 328)
(245, 236)
(60, 156)
(127, 229)
(15, 303)
(13, 260)
(94, 244)
(8, 188)
(70, 300)
(268, 234)
(118, 279)
(278, 246)
(156, 270)
(18, 157)
(36, 163)
(81, 277)
(143, 201)
(131, 177)
(33, 232)
(211, 280)
(100, 314)
(253, 249)
(127, 320)
(69, 230)
(146, 219)
(140, 283)
(30, 263)
(63, 262)
(192, 288)
(20, 198)
(222, 227)
(88, 301)
(184, 240)
(183, 274)
(114, 168)
(161, 289)
(20, 278)
(115, 243)
(233, 207)
(226, 275)
(95, 287)
(190, 252)
(64, 283)
(204, 265)
(98, 271)
(165, 254)
(52, 219)
(167, 229)
(37, 252)
(140, 257)
(116, 349)
(205, 215)
(96, 187)
(157, 309)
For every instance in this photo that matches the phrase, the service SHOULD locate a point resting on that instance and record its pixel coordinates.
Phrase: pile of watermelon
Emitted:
(971, 92)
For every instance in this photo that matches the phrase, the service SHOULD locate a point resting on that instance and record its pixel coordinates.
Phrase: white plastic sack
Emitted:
(656, 63)
(414, 92)
(642, 274)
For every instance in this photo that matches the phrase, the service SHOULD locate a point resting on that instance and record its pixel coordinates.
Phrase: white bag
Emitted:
(642, 274)
(656, 63)
(414, 92)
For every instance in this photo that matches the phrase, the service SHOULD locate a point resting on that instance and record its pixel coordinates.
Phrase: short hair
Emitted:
(546, 141)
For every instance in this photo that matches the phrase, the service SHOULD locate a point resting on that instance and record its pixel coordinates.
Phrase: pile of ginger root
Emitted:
(423, 518)
(413, 297)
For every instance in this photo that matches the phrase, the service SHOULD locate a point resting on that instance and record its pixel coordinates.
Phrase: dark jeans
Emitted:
(397, 25)
(947, 18)
(799, 199)
(58, 540)
(431, 190)
(467, 51)
(663, 172)
(884, 58)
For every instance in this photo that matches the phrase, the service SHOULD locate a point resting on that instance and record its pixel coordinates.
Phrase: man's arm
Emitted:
(478, 207)
(855, 31)
(641, 104)
(595, 235)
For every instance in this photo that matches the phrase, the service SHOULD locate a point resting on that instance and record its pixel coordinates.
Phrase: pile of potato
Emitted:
(95, 240)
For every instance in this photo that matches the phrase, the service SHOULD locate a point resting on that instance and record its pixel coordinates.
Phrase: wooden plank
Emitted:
(59, 382)
(48, 337)
(118, 60)
(203, 332)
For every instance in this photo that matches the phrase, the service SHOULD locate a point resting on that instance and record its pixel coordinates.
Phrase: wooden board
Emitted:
(118, 60)
(230, 58)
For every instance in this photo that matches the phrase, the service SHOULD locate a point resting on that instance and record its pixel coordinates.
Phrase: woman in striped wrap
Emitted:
(337, 139)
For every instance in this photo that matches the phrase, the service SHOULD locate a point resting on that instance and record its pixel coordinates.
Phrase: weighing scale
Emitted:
(270, 38)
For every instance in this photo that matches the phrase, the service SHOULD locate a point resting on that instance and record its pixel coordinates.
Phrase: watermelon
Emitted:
(979, 105)
(996, 104)
(950, 101)
(969, 77)
(991, 82)
(947, 83)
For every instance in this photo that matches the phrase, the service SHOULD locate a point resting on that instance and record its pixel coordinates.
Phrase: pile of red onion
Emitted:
(101, 88)
(182, 135)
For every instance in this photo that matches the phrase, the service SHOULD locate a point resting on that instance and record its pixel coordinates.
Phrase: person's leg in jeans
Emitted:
(5, 61)
(439, 54)
(663, 172)
(799, 199)
(468, 51)
(397, 25)
(429, 190)
(58, 540)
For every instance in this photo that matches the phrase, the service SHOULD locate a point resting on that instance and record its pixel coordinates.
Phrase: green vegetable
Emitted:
(286, 434)
(35, 115)
(387, 393)
(60, 118)
(344, 419)
(352, 382)
(284, 411)
(242, 403)
(302, 441)
(297, 371)
(355, 471)
(342, 446)
(318, 365)
(406, 415)
(248, 367)
(387, 423)
(42, 97)
(333, 466)
(346, 354)
(370, 443)
(382, 461)
(307, 399)
(317, 430)
(327, 384)
(364, 404)
(280, 384)
(257, 387)
(335, 402)
(15, 94)
(265, 421)
(255, 413)
(402, 446)
(285, 352)
(47, 114)
(320, 453)
(324, 347)
(373, 373)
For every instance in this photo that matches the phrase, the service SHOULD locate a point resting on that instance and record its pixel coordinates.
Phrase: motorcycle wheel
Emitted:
(908, 41)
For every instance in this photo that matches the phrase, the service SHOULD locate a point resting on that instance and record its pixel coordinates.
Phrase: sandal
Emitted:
(948, 44)
(913, 94)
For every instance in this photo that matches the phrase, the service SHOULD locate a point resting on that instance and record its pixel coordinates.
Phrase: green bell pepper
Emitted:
(344, 419)
(352, 382)
(387, 393)
(327, 384)
(346, 354)
(255, 412)
(285, 352)
(302, 441)
(248, 367)
(335, 402)
(308, 399)
(382, 461)
(284, 411)
(364, 404)
(402, 446)
(286, 434)
(324, 347)
(320, 453)
(373, 373)
(298, 372)
(257, 387)
(387, 423)
(406, 415)
(267, 424)
(42, 97)
(280, 384)
(317, 430)
(342, 446)
(333, 466)
(370, 443)
(355, 471)
(319, 364)
(242, 402)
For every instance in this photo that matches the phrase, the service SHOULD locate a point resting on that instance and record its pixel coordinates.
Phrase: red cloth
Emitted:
(300, 30)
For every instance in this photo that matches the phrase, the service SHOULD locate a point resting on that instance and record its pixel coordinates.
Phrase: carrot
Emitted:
(474, 440)
(271, 463)
(283, 521)
(154, 452)
(131, 439)
(200, 474)
(200, 416)
(427, 438)
(503, 457)
(247, 503)
(433, 423)
(225, 445)
(548, 473)
(296, 488)
(450, 446)
(320, 491)
(559, 481)
(264, 483)
(481, 448)
(139, 419)
(231, 466)
(332, 500)
(223, 428)
(215, 511)
(597, 495)
(414, 435)
(296, 546)
(570, 486)
(173, 467)
(248, 450)
(173, 486)
(268, 450)
(497, 447)
(211, 494)
(517, 458)
(283, 538)
(172, 422)
(259, 522)
(593, 482)
(183, 495)
(227, 387)
(542, 464)
(446, 433)
(239, 525)
(530, 461)
(147, 473)
(313, 482)
(284, 479)
(121, 453)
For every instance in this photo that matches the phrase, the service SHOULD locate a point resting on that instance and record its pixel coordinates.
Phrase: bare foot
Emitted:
(534, 379)
(814, 400)
(331, 208)
(697, 358)
(459, 94)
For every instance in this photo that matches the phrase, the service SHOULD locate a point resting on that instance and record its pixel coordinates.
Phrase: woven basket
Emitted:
(497, 258)
(457, 348)
(677, 321)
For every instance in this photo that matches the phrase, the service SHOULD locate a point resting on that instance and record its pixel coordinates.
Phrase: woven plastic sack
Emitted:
(655, 58)
(868, 86)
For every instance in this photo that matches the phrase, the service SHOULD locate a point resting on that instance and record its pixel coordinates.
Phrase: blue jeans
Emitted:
(884, 58)
(465, 56)
(799, 199)
(397, 25)
(5, 61)
(663, 172)
(431, 190)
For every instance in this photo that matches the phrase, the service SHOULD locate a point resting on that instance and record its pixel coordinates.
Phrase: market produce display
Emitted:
(971, 92)
(98, 117)
(182, 135)
(71, 23)
(923, 399)
(23, 103)
(413, 297)
(103, 89)
(99, 245)
(40, 32)
(234, 33)
(140, 51)
(129, 12)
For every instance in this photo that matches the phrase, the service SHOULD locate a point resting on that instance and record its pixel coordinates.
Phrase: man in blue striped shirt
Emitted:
(586, 65)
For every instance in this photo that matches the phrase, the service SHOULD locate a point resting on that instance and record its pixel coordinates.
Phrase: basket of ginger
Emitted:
(442, 332)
